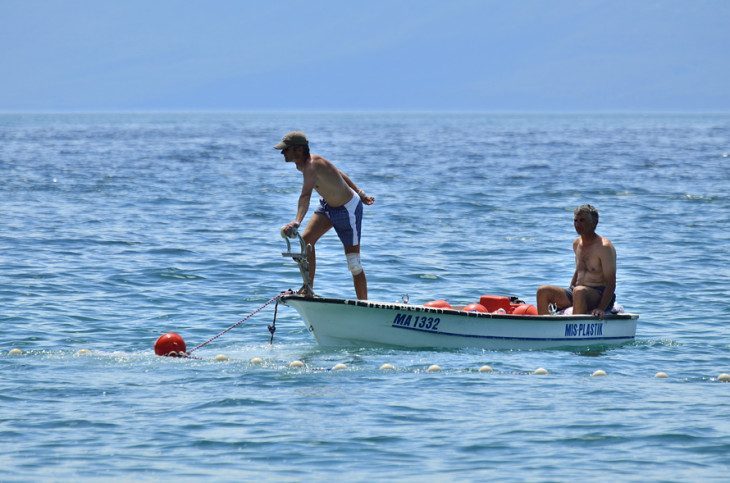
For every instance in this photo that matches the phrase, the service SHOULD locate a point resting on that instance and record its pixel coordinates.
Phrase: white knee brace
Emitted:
(353, 263)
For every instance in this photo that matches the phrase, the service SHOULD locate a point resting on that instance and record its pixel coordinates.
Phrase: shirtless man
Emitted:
(593, 287)
(340, 206)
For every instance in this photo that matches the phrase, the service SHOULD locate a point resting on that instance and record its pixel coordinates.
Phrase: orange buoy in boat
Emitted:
(438, 304)
(475, 308)
(170, 344)
(525, 309)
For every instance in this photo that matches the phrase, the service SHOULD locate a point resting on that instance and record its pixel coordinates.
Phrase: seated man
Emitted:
(593, 287)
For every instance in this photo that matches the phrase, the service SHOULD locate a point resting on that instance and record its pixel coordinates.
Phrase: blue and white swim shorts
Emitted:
(346, 219)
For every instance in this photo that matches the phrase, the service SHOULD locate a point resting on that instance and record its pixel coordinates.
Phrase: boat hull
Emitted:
(352, 323)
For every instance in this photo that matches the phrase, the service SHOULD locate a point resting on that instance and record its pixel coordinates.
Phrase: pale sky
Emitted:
(488, 55)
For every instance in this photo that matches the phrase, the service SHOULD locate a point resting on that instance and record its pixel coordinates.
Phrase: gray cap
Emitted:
(294, 138)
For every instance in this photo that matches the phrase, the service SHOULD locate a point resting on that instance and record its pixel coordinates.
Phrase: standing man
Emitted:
(340, 206)
(593, 287)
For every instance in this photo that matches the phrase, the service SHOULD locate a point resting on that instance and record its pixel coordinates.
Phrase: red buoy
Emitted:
(170, 344)
(438, 304)
(475, 308)
(525, 309)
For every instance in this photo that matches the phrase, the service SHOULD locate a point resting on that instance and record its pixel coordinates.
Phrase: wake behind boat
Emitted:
(343, 322)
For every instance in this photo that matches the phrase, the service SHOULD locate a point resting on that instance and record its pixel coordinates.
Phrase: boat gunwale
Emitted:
(459, 313)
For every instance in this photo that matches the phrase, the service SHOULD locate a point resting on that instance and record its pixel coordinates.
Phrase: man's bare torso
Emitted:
(590, 260)
(328, 181)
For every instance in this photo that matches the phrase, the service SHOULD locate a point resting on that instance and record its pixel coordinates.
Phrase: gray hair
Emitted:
(589, 209)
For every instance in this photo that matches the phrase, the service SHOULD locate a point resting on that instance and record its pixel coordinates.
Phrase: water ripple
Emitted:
(121, 227)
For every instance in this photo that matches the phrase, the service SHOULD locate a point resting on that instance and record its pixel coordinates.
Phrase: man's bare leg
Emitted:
(551, 294)
(584, 299)
(359, 280)
(318, 225)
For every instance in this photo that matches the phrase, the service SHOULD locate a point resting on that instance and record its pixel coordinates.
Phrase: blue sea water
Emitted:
(117, 228)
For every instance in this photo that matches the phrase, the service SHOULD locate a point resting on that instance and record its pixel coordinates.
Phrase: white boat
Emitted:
(358, 323)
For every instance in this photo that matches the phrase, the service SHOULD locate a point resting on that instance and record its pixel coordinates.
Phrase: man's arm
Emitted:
(574, 280)
(608, 264)
(310, 180)
(368, 200)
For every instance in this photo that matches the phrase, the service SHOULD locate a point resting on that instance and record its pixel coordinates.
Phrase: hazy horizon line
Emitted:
(363, 111)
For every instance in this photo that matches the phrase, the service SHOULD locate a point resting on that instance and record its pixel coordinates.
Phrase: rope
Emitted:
(272, 326)
(272, 299)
